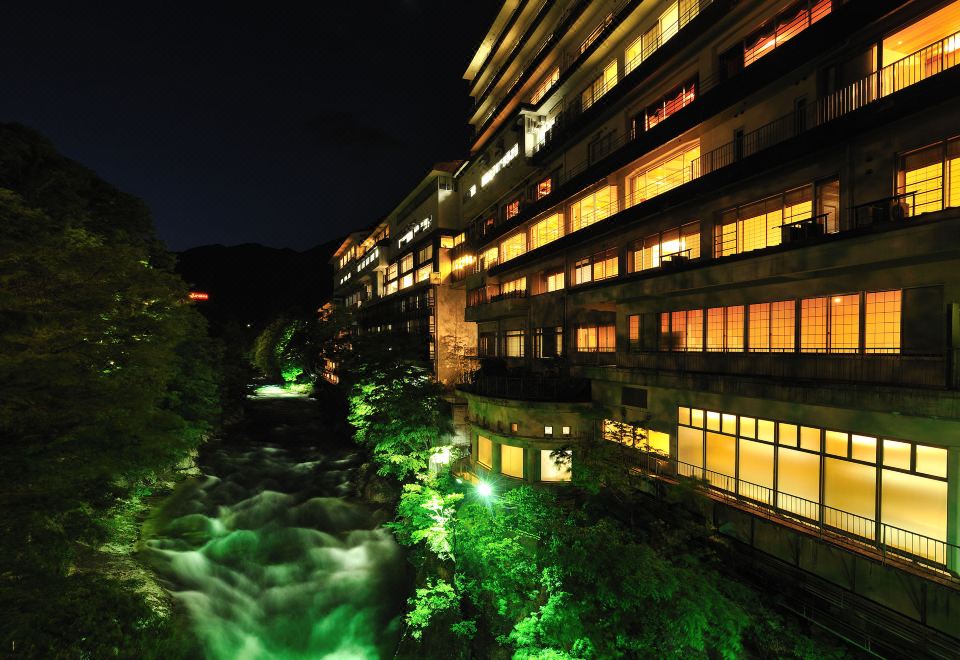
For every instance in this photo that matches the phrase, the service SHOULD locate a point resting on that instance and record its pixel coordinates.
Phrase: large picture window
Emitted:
(596, 339)
(594, 207)
(929, 178)
(758, 225)
(673, 245)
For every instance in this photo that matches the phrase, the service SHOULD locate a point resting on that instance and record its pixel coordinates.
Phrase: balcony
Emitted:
(897, 370)
(886, 543)
(530, 388)
(510, 303)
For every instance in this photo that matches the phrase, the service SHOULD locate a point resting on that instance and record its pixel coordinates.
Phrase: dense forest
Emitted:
(108, 384)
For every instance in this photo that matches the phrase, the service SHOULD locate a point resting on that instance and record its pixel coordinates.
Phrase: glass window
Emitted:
(915, 503)
(748, 427)
(757, 225)
(484, 452)
(683, 416)
(897, 454)
(788, 435)
(406, 264)
(423, 274)
(863, 448)
(845, 323)
(837, 443)
(591, 208)
(603, 84)
(721, 460)
(514, 343)
(810, 438)
(932, 460)
(546, 230)
(545, 86)
(596, 339)
(850, 488)
(552, 469)
(513, 246)
(690, 450)
(656, 179)
(511, 461)
(512, 209)
(882, 322)
(798, 482)
(548, 431)
(756, 470)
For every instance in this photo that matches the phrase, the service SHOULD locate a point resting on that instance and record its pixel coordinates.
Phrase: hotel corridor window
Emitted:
(929, 179)
(673, 244)
(596, 339)
(593, 207)
(681, 331)
(603, 84)
(546, 230)
(757, 225)
(656, 179)
(511, 461)
(725, 328)
(484, 452)
(830, 324)
(599, 266)
(513, 246)
(882, 311)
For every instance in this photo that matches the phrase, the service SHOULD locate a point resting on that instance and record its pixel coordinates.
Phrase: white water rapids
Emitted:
(270, 559)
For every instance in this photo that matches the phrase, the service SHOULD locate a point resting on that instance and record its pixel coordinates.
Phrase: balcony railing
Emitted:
(914, 68)
(881, 369)
(530, 388)
(886, 542)
(509, 295)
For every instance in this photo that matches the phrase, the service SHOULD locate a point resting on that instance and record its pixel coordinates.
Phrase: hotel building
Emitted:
(729, 234)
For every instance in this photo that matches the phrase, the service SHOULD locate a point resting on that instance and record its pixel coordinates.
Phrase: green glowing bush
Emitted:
(437, 598)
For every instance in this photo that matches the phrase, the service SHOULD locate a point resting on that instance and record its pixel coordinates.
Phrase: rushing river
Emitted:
(268, 555)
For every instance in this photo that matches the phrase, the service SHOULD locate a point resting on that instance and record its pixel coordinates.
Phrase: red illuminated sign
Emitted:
(199, 295)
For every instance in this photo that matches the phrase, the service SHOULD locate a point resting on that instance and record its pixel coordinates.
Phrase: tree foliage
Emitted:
(107, 376)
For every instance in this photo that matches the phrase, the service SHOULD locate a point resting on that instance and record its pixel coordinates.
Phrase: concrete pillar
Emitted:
(953, 509)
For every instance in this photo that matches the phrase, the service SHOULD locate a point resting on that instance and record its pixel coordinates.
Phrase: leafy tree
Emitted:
(426, 517)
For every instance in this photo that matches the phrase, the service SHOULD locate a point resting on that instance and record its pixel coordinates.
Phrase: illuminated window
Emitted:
(484, 452)
(771, 327)
(390, 288)
(636, 437)
(392, 272)
(929, 179)
(553, 281)
(725, 328)
(596, 339)
(555, 468)
(544, 188)
(511, 461)
(789, 23)
(406, 281)
(515, 339)
(425, 254)
(593, 207)
(633, 332)
(423, 274)
(514, 427)
(548, 431)
(599, 266)
(673, 245)
(512, 209)
(603, 84)
(916, 51)
(813, 325)
(459, 238)
(669, 23)
(565, 430)
(830, 324)
(679, 98)
(489, 257)
(546, 230)
(667, 174)
(758, 225)
(513, 246)
(545, 86)
(406, 264)
(682, 331)
(515, 286)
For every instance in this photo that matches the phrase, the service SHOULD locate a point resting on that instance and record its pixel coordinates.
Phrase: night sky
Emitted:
(274, 123)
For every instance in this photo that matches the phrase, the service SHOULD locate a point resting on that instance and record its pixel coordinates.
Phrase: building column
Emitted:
(953, 509)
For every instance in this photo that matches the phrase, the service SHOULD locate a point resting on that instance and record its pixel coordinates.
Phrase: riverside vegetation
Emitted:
(594, 570)
(108, 384)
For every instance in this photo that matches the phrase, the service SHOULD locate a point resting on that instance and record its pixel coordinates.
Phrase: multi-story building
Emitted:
(396, 275)
(732, 230)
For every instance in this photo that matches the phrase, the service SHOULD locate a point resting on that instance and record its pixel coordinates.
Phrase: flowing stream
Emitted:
(267, 553)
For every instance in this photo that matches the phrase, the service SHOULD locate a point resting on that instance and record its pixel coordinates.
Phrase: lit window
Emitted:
(675, 100)
(921, 180)
(565, 430)
(513, 246)
(758, 225)
(674, 245)
(511, 461)
(554, 281)
(548, 430)
(423, 274)
(633, 332)
(555, 468)
(667, 174)
(789, 23)
(515, 340)
(545, 86)
(544, 188)
(593, 207)
(484, 451)
(514, 427)
(514, 287)
(512, 209)
(596, 339)
(603, 84)
(406, 264)
(489, 258)
(682, 331)
(406, 281)
(546, 230)
(599, 266)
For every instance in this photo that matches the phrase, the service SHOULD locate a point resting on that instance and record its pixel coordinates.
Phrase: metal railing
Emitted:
(509, 295)
(529, 388)
(888, 369)
(895, 208)
(829, 523)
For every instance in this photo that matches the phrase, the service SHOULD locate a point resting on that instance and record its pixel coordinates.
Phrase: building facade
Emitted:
(728, 233)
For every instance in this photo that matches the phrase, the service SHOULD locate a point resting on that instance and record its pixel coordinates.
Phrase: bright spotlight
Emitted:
(484, 489)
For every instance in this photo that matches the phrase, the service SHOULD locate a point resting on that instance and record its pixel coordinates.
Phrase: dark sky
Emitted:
(283, 123)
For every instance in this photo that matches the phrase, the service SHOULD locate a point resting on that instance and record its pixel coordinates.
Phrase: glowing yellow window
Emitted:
(845, 323)
(882, 322)
(489, 258)
(546, 230)
(484, 451)
(553, 470)
(513, 246)
(511, 461)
